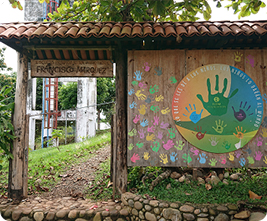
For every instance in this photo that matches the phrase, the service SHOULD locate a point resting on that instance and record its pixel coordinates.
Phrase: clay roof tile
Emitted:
(169, 29)
(247, 29)
(236, 30)
(82, 32)
(158, 29)
(259, 30)
(191, 30)
(106, 29)
(116, 30)
(147, 29)
(38, 31)
(72, 31)
(49, 32)
(126, 30)
(203, 30)
(225, 30)
(137, 30)
(61, 31)
(214, 30)
(8, 32)
(180, 30)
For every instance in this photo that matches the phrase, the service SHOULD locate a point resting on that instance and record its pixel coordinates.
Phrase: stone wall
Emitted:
(132, 207)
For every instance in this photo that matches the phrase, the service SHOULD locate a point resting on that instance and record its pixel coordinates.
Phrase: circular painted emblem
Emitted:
(217, 108)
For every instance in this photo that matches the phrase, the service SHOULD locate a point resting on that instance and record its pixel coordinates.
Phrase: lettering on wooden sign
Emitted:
(71, 68)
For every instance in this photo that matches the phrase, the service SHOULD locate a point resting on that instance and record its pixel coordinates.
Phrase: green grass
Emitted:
(45, 165)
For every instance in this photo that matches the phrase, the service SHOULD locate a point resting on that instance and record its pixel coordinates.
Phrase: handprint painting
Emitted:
(217, 104)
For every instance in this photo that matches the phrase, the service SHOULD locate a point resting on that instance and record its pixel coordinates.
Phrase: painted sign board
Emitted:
(71, 68)
(197, 108)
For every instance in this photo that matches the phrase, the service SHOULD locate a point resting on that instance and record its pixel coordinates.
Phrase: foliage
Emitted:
(3, 65)
(6, 128)
(197, 193)
(9, 79)
(146, 10)
(67, 95)
(47, 164)
(106, 94)
(16, 4)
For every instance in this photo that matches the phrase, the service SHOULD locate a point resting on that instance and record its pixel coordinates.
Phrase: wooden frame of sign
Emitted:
(71, 68)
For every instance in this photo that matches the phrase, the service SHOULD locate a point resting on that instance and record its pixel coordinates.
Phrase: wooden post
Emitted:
(18, 166)
(121, 118)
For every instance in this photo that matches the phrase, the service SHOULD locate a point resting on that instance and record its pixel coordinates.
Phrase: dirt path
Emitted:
(77, 179)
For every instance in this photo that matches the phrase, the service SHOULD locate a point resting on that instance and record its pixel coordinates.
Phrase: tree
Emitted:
(105, 95)
(67, 96)
(146, 10)
(6, 108)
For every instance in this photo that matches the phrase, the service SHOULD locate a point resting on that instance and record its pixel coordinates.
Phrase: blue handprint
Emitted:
(194, 117)
(131, 92)
(202, 158)
(138, 75)
(144, 123)
(242, 161)
(158, 70)
(173, 156)
(149, 99)
(133, 105)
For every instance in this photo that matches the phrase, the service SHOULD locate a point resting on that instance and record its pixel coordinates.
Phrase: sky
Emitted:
(8, 14)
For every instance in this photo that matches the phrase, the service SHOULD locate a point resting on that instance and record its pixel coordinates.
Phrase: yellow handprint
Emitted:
(264, 132)
(231, 156)
(165, 111)
(150, 137)
(146, 155)
(265, 159)
(164, 158)
(140, 96)
(142, 109)
(238, 56)
(239, 134)
(159, 98)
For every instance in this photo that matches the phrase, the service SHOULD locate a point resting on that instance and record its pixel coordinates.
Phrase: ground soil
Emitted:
(76, 181)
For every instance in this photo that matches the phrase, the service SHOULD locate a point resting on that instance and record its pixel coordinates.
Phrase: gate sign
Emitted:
(217, 108)
(71, 68)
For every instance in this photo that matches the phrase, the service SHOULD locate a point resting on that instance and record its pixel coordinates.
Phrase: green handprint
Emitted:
(219, 126)
(187, 158)
(139, 145)
(131, 146)
(172, 133)
(156, 146)
(217, 104)
(132, 132)
(134, 83)
(154, 89)
(155, 108)
(213, 162)
(173, 80)
(179, 145)
(250, 160)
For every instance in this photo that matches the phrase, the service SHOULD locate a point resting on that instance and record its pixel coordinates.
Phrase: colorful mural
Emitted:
(212, 116)
(217, 108)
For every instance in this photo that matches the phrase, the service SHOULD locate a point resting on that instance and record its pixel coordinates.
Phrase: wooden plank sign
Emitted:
(71, 68)
(197, 108)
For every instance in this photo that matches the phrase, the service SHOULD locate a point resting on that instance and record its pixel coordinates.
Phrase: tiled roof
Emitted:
(75, 30)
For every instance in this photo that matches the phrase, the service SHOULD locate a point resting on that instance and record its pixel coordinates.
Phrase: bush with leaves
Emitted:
(6, 127)
(67, 96)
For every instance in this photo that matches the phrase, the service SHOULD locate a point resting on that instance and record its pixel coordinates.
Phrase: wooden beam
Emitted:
(18, 167)
(121, 119)
(68, 47)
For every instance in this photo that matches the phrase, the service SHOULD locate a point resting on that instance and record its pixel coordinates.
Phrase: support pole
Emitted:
(18, 166)
(121, 119)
